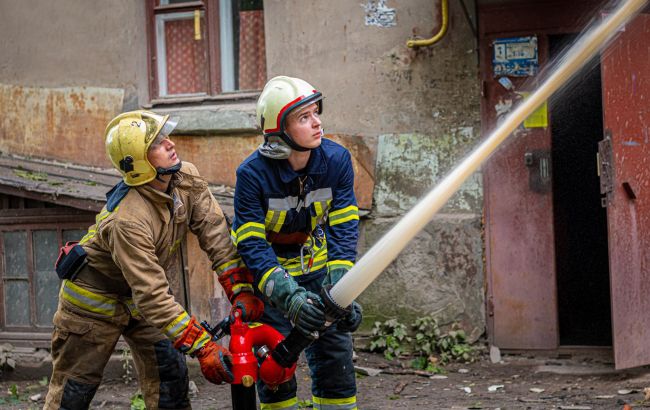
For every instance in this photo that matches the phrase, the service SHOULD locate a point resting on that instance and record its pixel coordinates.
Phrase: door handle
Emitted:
(605, 169)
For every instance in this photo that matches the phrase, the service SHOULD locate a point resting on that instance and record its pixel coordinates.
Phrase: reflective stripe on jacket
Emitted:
(273, 203)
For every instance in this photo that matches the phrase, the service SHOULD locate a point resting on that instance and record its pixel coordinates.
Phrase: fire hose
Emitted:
(280, 355)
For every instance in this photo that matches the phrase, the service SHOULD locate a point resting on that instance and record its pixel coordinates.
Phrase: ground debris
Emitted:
(193, 390)
(400, 387)
(575, 407)
(495, 387)
(407, 371)
(438, 377)
(527, 400)
(367, 371)
(495, 354)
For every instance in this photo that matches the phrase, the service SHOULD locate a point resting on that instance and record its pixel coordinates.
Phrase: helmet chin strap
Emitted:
(291, 143)
(294, 146)
(168, 171)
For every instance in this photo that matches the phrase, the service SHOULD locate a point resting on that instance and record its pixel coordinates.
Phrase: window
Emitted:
(205, 48)
(31, 233)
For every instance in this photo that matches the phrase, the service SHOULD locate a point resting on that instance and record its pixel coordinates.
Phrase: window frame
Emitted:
(30, 220)
(210, 9)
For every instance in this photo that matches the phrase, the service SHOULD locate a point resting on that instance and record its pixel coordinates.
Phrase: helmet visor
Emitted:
(169, 126)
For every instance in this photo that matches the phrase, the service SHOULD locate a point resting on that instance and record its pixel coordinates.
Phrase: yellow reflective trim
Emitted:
(200, 342)
(347, 403)
(177, 325)
(251, 234)
(254, 324)
(231, 264)
(338, 212)
(249, 225)
(86, 299)
(250, 229)
(295, 269)
(92, 231)
(318, 255)
(241, 287)
(336, 264)
(175, 246)
(292, 403)
(87, 236)
(105, 214)
(265, 277)
(268, 219)
(346, 214)
(343, 220)
(293, 266)
(281, 219)
(133, 309)
(274, 220)
(318, 206)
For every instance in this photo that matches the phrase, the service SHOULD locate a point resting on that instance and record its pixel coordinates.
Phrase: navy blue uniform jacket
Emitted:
(279, 212)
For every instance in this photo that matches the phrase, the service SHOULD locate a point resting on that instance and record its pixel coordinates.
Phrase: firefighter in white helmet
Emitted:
(296, 228)
(115, 280)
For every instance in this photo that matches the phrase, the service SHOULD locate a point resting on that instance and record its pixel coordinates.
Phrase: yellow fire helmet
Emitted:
(280, 96)
(128, 138)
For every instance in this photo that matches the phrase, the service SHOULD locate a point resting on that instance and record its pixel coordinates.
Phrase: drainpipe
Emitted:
(444, 14)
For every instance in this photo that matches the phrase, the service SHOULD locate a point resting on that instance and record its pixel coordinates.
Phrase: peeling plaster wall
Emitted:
(67, 68)
(439, 274)
(66, 124)
(419, 109)
(72, 43)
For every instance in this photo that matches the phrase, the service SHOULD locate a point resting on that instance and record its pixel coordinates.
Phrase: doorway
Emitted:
(580, 222)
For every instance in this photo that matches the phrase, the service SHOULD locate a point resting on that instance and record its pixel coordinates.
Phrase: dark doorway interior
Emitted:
(580, 222)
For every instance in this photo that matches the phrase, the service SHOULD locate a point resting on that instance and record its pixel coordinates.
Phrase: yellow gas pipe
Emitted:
(444, 15)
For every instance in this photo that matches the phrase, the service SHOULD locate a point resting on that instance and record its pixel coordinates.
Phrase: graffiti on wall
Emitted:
(378, 14)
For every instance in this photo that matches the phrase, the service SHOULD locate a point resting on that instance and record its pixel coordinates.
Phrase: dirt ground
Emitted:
(579, 379)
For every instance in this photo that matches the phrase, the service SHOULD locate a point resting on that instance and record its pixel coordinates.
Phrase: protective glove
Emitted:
(250, 305)
(215, 360)
(351, 321)
(304, 309)
(306, 312)
(334, 276)
(237, 283)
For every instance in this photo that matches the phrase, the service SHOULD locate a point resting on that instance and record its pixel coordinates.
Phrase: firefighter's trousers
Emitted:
(82, 344)
(330, 364)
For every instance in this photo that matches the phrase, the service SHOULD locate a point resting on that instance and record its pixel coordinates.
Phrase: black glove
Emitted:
(306, 312)
(351, 321)
(304, 309)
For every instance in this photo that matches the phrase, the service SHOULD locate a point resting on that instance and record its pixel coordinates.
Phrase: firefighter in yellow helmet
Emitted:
(115, 283)
(296, 228)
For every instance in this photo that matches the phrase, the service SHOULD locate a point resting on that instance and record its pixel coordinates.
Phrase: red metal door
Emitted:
(626, 106)
(520, 253)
